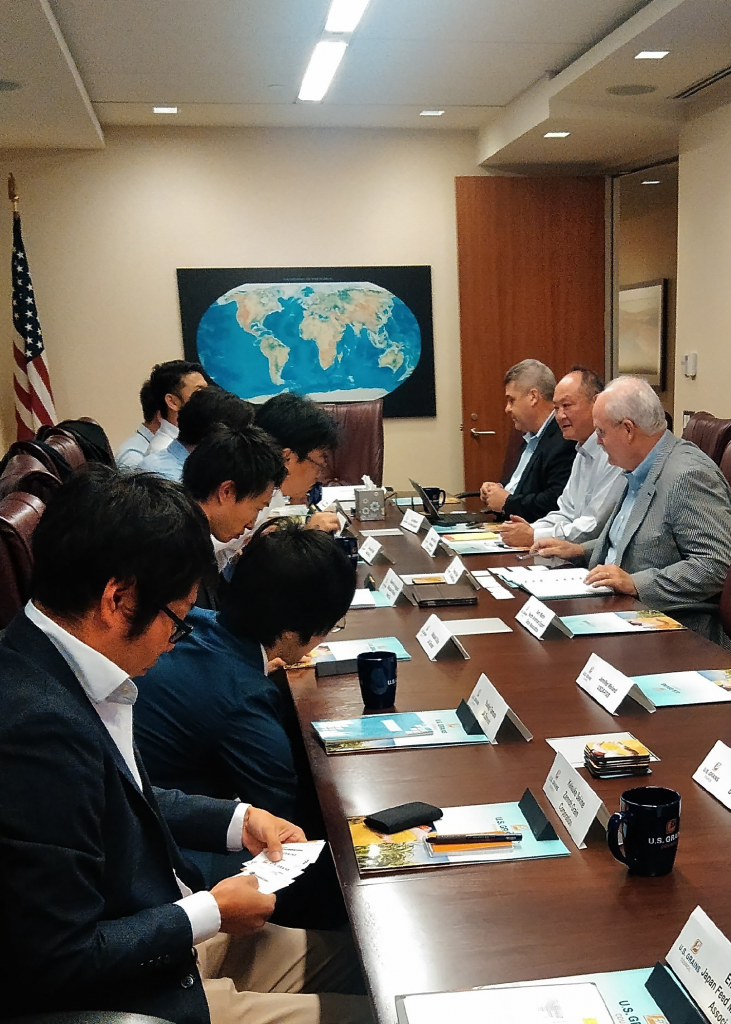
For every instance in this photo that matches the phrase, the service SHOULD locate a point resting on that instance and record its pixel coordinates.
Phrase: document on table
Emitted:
(557, 583)
(475, 627)
(275, 875)
(381, 533)
(567, 1004)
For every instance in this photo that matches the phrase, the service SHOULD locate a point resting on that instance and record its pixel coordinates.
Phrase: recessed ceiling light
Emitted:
(431, 113)
(651, 54)
(631, 90)
(556, 135)
(164, 110)
(653, 181)
(344, 15)
(321, 70)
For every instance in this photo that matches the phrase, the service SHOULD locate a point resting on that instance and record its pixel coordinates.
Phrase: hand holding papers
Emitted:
(273, 876)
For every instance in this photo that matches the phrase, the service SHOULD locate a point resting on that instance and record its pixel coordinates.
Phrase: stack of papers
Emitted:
(273, 876)
(486, 580)
(572, 747)
(609, 759)
(598, 623)
(364, 598)
(393, 731)
(557, 583)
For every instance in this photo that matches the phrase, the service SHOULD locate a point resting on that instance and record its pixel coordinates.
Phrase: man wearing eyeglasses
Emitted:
(99, 909)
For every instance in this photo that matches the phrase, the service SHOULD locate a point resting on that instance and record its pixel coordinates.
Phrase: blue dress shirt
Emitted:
(167, 463)
(132, 451)
(635, 480)
(531, 443)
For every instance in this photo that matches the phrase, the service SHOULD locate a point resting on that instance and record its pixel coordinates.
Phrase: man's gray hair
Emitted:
(532, 373)
(632, 398)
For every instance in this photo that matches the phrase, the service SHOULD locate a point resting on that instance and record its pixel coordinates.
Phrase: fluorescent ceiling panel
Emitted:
(320, 71)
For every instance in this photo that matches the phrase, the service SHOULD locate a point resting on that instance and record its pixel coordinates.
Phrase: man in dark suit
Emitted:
(98, 909)
(545, 459)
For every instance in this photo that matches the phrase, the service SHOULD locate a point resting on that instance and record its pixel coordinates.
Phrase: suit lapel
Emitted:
(547, 433)
(644, 498)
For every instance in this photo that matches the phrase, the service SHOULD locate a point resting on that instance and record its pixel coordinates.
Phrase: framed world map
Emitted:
(337, 334)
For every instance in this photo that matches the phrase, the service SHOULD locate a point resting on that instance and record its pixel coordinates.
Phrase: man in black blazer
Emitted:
(98, 908)
(545, 459)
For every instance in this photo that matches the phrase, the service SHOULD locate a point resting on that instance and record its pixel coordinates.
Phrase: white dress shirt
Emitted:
(531, 443)
(166, 433)
(590, 494)
(113, 694)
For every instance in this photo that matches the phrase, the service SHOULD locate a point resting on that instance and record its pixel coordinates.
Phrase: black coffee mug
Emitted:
(435, 495)
(350, 547)
(649, 819)
(377, 678)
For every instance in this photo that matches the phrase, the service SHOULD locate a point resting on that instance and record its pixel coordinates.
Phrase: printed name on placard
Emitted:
(412, 521)
(369, 549)
(430, 543)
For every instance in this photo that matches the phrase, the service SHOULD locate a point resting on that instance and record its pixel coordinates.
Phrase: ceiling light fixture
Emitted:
(556, 135)
(164, 110)
(321, 70)
(431, 113)
(344, 15)
(651, 54)
(654, 181)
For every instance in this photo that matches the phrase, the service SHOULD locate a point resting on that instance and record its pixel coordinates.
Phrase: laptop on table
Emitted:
(434, 517)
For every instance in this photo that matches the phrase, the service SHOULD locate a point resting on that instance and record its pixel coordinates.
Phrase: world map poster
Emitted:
(337, 334)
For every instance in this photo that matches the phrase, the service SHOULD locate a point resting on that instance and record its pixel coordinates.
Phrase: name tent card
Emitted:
(430, 543)
(701, 960)
(537, 618)
(573, 799)
(491, 710)
(435, 635)
(714, 773)
(412, 521)
(608, 686)
(371, 549)
(454, 570)
(391, 587)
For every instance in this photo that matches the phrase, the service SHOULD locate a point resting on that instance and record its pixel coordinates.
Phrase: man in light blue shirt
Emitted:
(133, 450)
(635, 479)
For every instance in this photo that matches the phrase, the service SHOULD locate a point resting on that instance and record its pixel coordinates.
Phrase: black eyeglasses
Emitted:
(181, 628)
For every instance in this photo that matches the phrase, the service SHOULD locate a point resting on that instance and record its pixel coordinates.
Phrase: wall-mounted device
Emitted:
(689, 362)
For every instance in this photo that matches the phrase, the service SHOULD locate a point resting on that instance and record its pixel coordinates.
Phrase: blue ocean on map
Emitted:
(335, 341)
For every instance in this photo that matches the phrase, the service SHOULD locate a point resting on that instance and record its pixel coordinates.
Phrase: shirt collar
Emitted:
(145, 432)
(590, 448)
(167, 429)
(100, 678)
(177, 451)
(224, 552)
(538, 434)
(636, 477)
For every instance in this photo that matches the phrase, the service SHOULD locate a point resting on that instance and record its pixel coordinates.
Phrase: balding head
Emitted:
(629, 421)
(573, 402)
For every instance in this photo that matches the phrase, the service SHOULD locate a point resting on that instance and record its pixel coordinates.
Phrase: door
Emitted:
(531, 286)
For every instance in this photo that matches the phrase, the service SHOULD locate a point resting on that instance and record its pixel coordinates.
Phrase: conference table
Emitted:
(470, 925)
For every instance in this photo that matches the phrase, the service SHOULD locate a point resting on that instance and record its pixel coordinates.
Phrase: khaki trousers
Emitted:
(283, 976)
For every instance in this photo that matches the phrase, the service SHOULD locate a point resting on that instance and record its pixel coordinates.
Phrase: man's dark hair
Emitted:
(297, 423)
(248, 457)
(148, 402)
(167, 379)
(104, 525)
(288, 580)
(591, 382)
(208, 408)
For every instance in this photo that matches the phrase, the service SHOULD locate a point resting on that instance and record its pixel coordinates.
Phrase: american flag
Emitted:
(33, 395)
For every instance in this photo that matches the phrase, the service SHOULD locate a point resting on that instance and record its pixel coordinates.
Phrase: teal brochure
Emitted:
(394, 731)
(602, 623)
(675, 689)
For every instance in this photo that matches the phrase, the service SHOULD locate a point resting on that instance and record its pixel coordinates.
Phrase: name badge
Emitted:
(573, 799)
(412, 521)
(430, 543)
(537, 617)
(491, 710)
(369, 549)
(391, 587)
(700, 959)
(454, 570)
(434, 636)
(714, 774)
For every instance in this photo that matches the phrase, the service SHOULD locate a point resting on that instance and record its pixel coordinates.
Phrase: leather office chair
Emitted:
(709, 433)
(19, 515)
(64, 443)
(25, 472)
(360, 448)
(725, 463)
(88, 1017)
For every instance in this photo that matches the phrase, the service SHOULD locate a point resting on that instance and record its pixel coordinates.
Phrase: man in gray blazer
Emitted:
(668, 540)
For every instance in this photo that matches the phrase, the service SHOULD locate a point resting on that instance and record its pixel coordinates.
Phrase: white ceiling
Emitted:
(509, 68)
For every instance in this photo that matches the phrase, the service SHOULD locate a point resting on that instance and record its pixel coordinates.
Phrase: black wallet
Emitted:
(396, 819)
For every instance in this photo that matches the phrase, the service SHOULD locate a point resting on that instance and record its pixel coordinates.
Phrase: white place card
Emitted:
(608, 686)
(714, 774)
(700, 958)
(454, 570)
(412, 521)
(573, 799)
(491, 710)
(391, 587)
(430, 543)
(369, 549)
(538, 617)
(435, 635)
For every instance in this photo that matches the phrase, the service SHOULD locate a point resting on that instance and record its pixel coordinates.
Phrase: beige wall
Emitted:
(704, 264)
(105, 232)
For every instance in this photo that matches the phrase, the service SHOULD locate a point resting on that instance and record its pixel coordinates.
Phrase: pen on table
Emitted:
(468, 494)
(445, 839)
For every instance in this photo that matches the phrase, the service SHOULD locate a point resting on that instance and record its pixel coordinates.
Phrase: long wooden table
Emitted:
(465, 926)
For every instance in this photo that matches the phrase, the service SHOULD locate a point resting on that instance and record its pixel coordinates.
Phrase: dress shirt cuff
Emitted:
(542, 531)
(203, 914)
(233, 836)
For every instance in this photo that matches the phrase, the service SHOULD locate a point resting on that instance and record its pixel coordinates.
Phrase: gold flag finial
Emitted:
(13, 193)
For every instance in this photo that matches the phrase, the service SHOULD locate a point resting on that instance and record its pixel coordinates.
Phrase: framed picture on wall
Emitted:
(642, 334)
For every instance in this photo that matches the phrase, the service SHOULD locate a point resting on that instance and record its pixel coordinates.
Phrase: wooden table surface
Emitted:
(464, 926)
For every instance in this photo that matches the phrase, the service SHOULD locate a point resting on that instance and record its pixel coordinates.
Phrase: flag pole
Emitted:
(13, 196)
